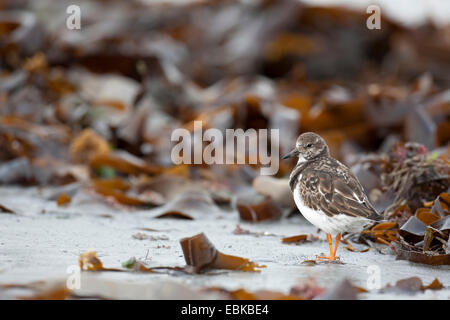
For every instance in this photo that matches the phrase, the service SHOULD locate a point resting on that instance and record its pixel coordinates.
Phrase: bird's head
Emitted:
(308, 147)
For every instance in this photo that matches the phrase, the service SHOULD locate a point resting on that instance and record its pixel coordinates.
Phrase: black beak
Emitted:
(291, 154)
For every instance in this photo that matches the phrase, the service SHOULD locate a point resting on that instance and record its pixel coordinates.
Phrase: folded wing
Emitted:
(336, 192)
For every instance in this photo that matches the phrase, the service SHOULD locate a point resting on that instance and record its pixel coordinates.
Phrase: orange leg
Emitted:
(332, 256)
(338, 238)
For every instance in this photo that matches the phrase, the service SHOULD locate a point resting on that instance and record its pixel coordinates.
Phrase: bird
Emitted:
(327, 193)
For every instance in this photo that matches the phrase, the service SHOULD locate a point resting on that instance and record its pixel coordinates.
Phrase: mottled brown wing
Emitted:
(335, 192)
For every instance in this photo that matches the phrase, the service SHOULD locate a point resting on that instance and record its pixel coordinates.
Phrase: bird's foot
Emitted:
(327, 258)
(332, 257)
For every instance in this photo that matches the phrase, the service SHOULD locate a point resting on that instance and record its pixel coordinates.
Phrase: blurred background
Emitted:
(134, 71)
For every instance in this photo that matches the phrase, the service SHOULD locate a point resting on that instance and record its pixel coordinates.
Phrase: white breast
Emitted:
(335, 224)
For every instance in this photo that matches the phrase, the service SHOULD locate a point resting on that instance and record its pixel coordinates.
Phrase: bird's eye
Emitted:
(309, 145)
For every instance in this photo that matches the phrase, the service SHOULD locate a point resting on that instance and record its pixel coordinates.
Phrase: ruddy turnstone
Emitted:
(326, 192)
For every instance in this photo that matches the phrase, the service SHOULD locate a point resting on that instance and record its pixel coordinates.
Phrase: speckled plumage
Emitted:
(326, 191)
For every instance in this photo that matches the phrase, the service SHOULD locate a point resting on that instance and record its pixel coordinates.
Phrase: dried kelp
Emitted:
(302, 238)
(201, 254)
(414, 175)
(4, 209)
(412, 285)
(258, 209)
(89, 261)
(425, 236)
(306, 290)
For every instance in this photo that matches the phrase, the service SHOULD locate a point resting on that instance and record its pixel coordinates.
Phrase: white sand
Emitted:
(41, 241)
